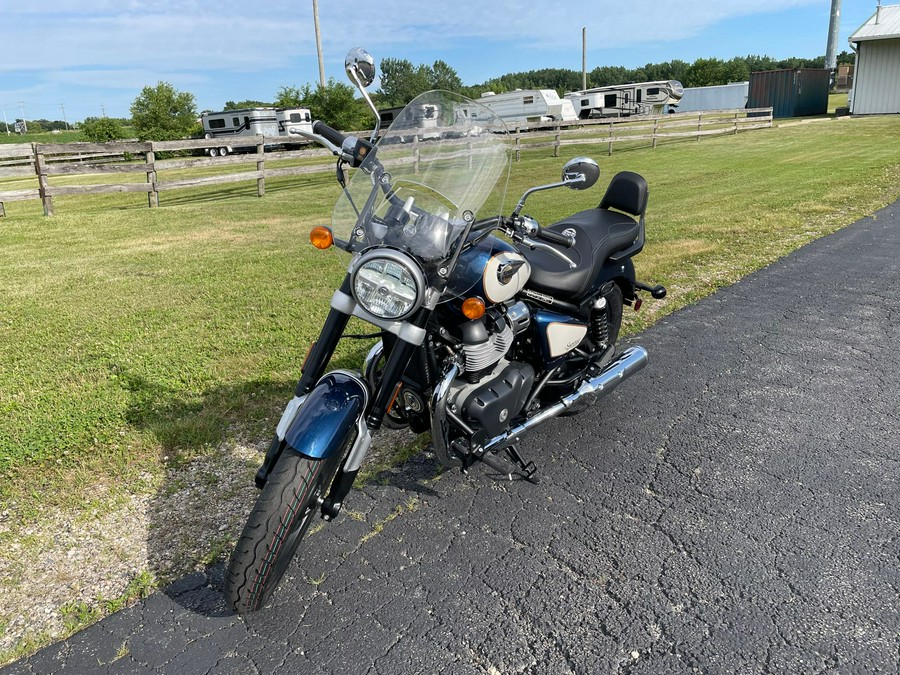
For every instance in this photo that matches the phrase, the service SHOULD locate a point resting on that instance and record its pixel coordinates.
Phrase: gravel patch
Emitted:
(169, 527)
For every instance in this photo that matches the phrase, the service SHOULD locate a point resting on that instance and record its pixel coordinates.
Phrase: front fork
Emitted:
(313, 371)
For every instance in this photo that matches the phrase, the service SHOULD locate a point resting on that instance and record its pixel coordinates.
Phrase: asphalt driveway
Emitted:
(731, 509)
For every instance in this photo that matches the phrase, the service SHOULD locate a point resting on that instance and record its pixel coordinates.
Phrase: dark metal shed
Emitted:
(790, 93)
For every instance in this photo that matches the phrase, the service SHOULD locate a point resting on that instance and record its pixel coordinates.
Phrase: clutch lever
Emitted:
(533, 244)
(316, 138)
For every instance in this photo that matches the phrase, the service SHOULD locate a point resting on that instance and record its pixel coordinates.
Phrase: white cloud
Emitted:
(187, 34)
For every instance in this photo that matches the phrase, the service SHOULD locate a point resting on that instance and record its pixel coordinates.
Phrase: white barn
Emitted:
(876, 84)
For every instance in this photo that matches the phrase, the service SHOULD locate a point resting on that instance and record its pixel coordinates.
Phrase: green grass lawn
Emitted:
(133, 340)
(127, 334)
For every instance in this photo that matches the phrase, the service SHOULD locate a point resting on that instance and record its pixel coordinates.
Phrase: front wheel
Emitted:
(283, 513)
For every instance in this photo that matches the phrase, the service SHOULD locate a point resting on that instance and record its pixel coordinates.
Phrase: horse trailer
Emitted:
(231, 125)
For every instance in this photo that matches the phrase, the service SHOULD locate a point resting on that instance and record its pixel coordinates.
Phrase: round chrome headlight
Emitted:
(387, 284)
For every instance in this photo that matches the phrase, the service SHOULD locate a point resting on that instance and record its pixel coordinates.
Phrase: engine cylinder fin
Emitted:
(486, 354)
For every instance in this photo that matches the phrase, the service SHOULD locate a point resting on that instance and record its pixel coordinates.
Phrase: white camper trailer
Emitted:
(625, 100)
(230, 125)
(528, 106)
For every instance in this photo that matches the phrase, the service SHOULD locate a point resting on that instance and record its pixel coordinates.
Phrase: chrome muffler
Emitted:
(616, 371)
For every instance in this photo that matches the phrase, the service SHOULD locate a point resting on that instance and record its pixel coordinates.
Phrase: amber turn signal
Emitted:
(473, 308)
(321, 237)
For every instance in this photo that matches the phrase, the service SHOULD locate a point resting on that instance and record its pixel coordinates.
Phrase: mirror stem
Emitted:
(365, 94)
(539, 188)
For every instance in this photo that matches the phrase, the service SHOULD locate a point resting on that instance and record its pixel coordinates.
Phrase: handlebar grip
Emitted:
(332, 135)
(555, 237)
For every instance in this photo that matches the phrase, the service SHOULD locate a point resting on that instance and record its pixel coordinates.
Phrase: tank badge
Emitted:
(507, 270)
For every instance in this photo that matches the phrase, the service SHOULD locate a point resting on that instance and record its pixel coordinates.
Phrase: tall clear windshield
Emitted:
(431, 174)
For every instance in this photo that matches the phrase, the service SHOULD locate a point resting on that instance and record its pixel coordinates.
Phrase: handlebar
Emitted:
(331, 135)
(555, 237)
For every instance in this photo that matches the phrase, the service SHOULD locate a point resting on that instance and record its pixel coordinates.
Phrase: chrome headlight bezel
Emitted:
(393, 257)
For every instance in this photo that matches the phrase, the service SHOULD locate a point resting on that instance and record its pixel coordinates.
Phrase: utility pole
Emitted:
(319, 42)
(24, 123)
(102, 110)
(5, 122)
(834, 26)
(65, 121)
(584, 57)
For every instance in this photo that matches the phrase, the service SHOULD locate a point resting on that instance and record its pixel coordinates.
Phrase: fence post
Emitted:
(42, 180)
(518, 143)
(2, 210)
(261, 166)
(655, 129)
(416, 153)
(609, 149)
(556, 142)
(152, 195)
(469, 152)
(699, 125)
(734, 133)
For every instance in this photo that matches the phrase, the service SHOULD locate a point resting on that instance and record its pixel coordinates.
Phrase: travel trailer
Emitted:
(625, 100)
(231, 125)
(527, 106)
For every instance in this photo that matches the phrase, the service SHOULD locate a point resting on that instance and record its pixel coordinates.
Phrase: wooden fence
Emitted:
(45, 161)
(654, 128)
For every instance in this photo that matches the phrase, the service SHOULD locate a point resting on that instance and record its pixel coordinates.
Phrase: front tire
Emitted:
(284, 510)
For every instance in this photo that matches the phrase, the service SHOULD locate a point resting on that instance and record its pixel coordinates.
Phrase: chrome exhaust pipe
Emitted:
(616, 371)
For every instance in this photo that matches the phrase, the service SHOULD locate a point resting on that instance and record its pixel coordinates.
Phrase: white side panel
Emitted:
(876, 85)
(564, 337)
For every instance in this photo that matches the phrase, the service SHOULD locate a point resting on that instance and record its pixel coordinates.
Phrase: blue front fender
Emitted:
(328, 416)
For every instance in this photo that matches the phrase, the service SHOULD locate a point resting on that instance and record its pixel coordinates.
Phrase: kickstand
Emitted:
(515, 463)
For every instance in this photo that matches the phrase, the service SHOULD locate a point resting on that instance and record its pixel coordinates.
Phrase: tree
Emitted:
(735, 70)
(444, 77)
(401, 81)
(240, 105)
(705, 73)
(293, 97)
(162, 113)
(101, 129)
(335, 104)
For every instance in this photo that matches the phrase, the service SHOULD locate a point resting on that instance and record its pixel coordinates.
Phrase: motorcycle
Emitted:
(489, 325)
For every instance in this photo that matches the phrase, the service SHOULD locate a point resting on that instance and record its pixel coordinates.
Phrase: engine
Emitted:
(487, 340)
(492, 389)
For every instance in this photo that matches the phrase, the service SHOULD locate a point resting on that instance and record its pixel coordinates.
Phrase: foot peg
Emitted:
(658, 292)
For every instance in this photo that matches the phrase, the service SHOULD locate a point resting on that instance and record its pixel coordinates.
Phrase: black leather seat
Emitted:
(599, 233)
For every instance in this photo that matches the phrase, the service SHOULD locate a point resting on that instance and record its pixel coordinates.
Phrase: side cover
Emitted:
(328, 416)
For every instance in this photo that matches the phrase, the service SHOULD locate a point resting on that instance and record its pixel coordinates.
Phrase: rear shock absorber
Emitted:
(600, 323)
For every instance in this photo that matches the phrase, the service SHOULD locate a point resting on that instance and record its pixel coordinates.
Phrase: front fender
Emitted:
(328, 416)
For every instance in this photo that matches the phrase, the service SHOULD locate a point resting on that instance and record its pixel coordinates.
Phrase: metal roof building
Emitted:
(876, 86)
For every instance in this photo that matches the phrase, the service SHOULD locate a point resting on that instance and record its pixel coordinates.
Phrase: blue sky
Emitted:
(96, 55)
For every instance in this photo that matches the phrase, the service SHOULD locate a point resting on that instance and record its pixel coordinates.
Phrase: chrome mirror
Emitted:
(580, 173)
(360, 67)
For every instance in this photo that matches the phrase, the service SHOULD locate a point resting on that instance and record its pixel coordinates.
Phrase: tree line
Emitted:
(703, 72)
(162, 113)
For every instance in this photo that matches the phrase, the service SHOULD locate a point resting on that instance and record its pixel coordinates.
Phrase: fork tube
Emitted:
(396, 364)
(324, 347)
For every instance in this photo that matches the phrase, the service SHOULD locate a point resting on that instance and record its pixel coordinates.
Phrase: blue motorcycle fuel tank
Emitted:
(493, 270)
